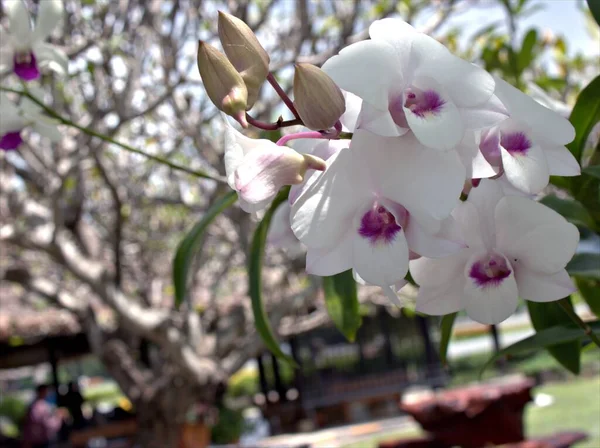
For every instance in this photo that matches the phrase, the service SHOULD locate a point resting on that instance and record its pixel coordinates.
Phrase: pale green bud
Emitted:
(318, 100)
(245, 53)
(224, 85)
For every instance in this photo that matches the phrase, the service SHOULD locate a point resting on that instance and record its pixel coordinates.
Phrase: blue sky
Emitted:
(561, 17)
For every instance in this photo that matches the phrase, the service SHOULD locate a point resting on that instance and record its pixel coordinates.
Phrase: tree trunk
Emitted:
(162, 413)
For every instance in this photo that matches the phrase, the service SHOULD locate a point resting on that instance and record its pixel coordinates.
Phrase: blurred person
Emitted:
(42, 421)
(73, 400)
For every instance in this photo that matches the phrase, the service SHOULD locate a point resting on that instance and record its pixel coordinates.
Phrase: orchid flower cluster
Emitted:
(437, 177)
(24, 52)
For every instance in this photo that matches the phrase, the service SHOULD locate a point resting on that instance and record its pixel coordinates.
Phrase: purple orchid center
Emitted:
(379, 225)
(10, 141)
(515, 142)
(422, 103)
(25, 66)
(491, 270)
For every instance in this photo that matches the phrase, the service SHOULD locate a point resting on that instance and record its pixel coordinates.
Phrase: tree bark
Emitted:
(161, 412)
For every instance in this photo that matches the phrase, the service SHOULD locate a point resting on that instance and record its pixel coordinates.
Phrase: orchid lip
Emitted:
(423, 102)
(11, 140)
(25, 66)
(378, 225)
(515, 142)
(490, 270)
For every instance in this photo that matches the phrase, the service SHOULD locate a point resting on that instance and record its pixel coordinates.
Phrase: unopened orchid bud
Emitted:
(265, 170)
(224, 85)
(318, 100)
(245, 53)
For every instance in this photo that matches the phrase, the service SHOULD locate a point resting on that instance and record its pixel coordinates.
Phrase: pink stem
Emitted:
(312, 134)
(286, 99)
(272, 126)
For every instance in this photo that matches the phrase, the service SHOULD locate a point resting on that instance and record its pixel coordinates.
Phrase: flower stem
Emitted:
(108, 139)
(312, 134)
(286, 99)
(281, 123)
(567, 308)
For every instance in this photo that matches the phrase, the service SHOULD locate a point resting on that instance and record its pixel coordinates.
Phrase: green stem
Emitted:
(567, 308)
(108, 139)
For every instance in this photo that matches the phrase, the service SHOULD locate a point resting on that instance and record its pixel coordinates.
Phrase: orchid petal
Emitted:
(492, 303)
(52, 57)
(561, 161)
(485, 197)
(331, 261)
(378, 122)
(19, 23)
(264, 171)
(441, 128)
(425, 181)
(49, 15)
(528, 171)
(427, 245)
(534, 235)
(349, 117)
(467, 84)
(368, 69)
(544, 122)
(380, 263)
(543, 287)
(325, 210)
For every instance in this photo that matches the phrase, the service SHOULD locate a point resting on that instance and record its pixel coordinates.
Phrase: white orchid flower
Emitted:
(374, 204)
(529, 146)
(516, 248)
(23, 48)
(410, 82)
(258, 168)
(26, 115)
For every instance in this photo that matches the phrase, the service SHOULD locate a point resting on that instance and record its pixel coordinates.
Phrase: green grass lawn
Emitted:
(576, 407)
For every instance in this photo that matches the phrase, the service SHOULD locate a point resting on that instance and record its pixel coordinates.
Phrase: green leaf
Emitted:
(584, 116)
(548, 315)
(526, 55)
(257, 252)
(590, 291)
(593, 171)
(594, 6)
(571, 209)
(186, 251)
(542, 339)
(446, 334)
(341, 300)
(585, 265)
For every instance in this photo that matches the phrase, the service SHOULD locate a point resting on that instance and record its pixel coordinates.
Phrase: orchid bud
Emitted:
(224, 85)
(318, 100)
(265, 170)
(245, 53)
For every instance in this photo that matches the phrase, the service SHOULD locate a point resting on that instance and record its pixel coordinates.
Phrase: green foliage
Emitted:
(547, 315)
(585, 265)
(446, 333)
(594, 6)
(229, 427)
(341, 300)
(571, 209)
(13, 408)
(189, 245)
(585, 115)
(542, 339)
(257, 252)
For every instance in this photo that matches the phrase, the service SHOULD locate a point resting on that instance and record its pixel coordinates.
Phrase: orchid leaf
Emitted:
(341, 300)
(257, 252)
(187, 249)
